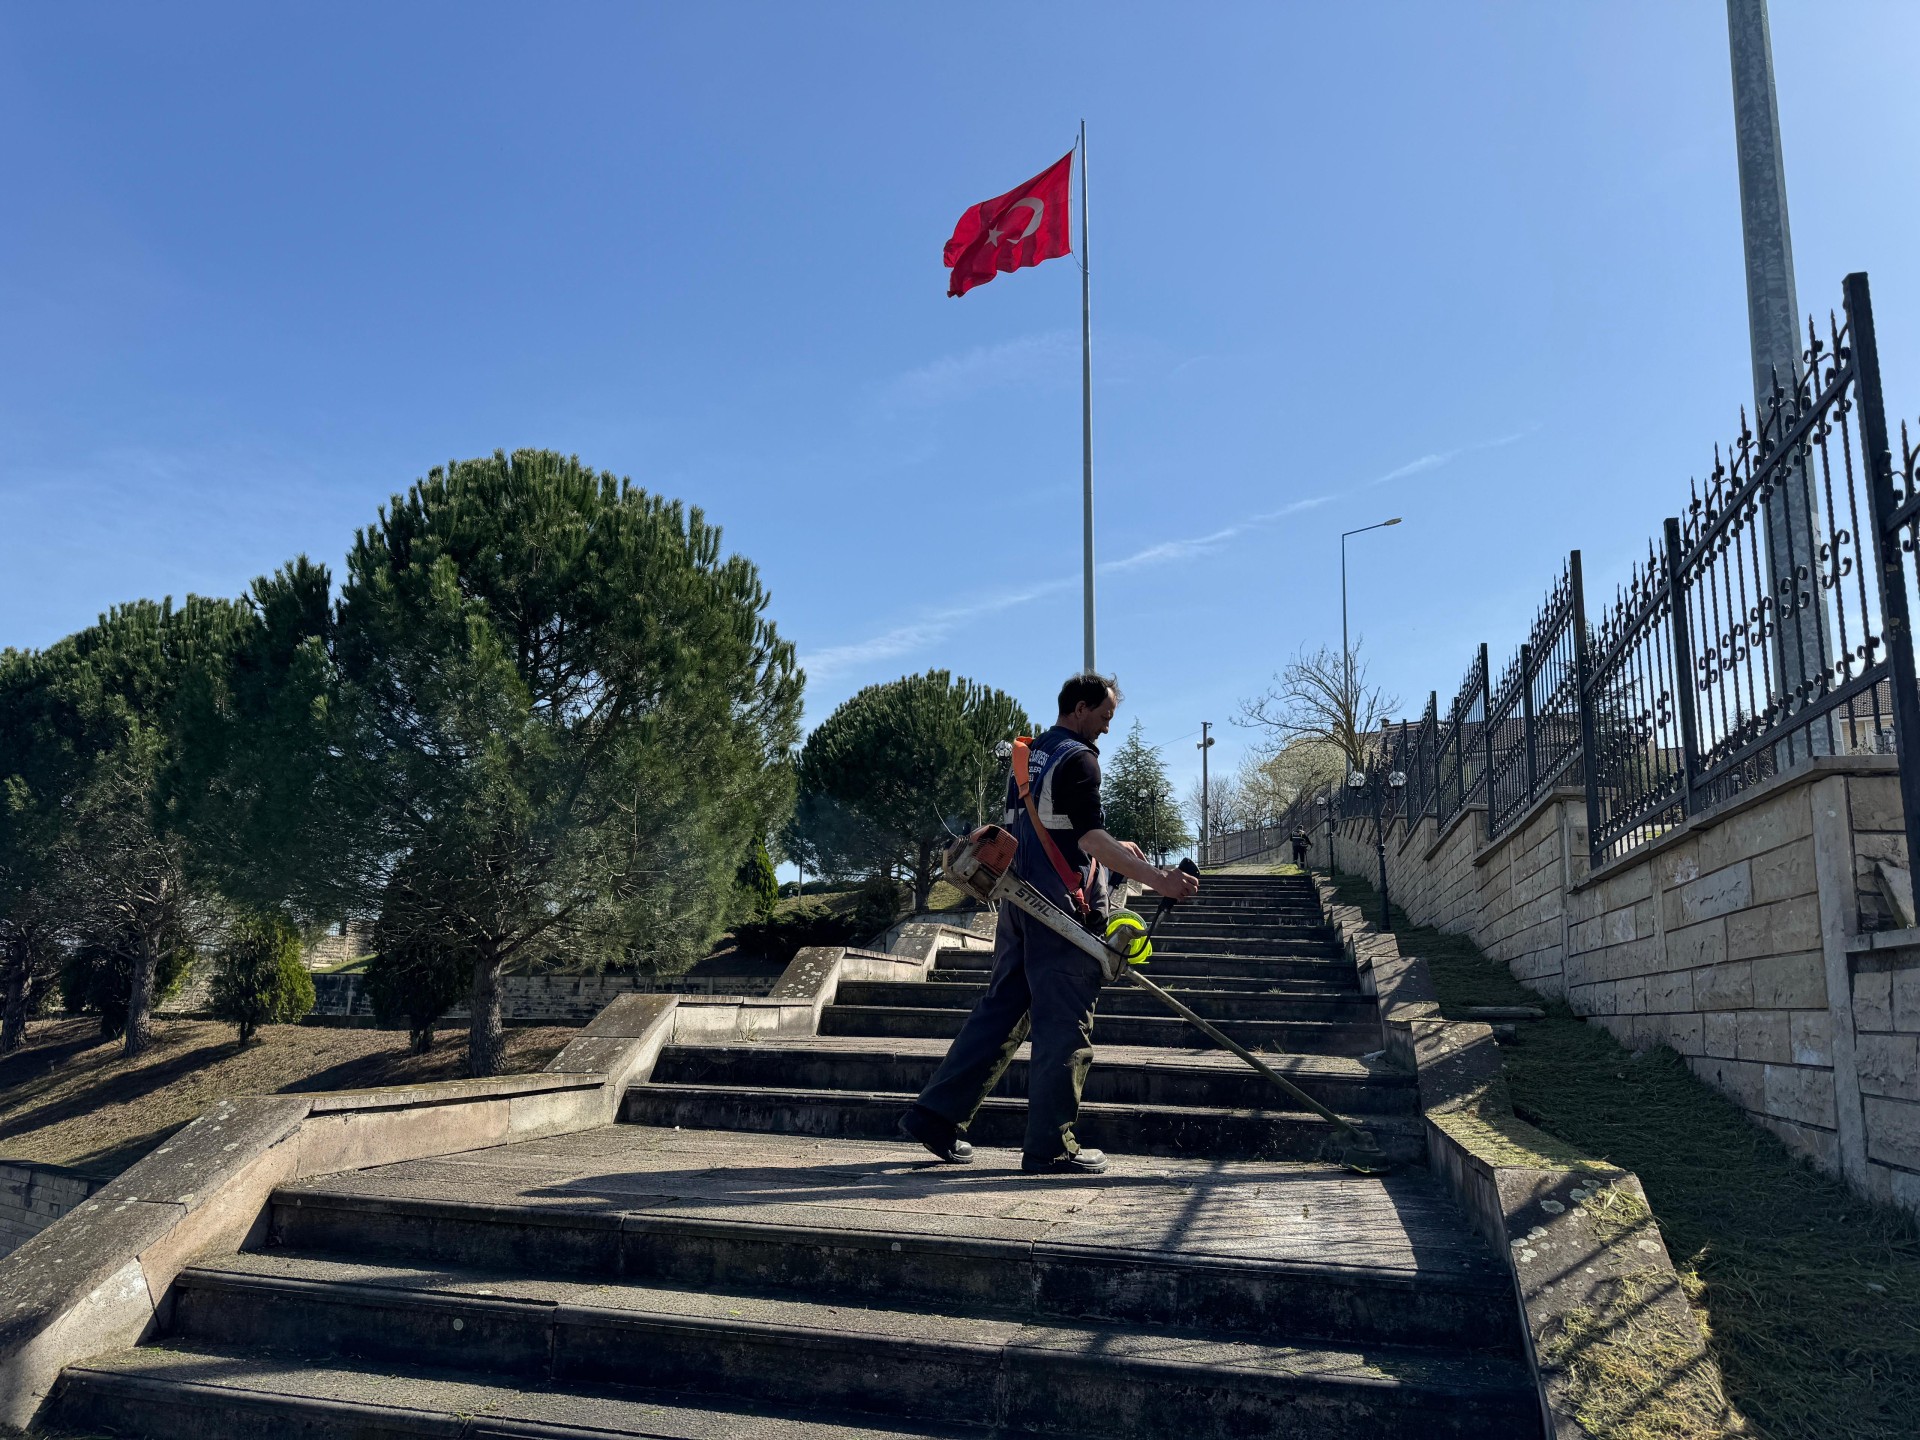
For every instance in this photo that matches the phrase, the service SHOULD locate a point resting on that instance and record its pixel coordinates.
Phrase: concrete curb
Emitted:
(99, 1278)
(1576, 1233)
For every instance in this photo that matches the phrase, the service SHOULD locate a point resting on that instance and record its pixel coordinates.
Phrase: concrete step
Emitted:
(1076, 1380)
(1206, 942)
(1320, 964)
(1329, 979)
(962, 1272)
(1126, 999)
(213, 1393)
(981, 1369)
(1173, 1130)
(1281, 1251)
(1298, 1037)
(1120, 1074)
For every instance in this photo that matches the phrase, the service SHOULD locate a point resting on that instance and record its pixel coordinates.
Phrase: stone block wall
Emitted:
(1759, 940)
(33, 1196)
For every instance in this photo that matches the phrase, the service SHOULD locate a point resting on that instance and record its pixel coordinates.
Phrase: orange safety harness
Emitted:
(1075, 882)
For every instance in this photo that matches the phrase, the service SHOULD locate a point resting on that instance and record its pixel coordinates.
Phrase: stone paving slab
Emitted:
(1255, 1211)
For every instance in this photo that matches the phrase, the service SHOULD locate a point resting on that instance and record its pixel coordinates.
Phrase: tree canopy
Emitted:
(1139, 800)
(542, 722)
(895, 770)
(566, 705)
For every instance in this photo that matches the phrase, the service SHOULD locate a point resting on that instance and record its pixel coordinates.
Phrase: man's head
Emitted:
(1087, 703)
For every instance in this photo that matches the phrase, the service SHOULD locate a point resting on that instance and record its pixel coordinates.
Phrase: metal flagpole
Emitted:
(1086, 404)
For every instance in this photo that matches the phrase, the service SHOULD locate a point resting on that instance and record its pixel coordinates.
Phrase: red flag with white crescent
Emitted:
(1026, 225)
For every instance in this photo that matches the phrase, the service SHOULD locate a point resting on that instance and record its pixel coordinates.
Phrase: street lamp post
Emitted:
(1205, 744)
(1326, 811)
(1346, 650)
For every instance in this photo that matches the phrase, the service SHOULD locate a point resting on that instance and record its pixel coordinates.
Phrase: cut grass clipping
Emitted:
(1810, 1296)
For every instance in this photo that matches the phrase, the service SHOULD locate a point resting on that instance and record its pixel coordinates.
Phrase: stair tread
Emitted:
(878, 1329)
(1157, 1057)
(436, 1401)
(1397, 1124)
(1175, 1209)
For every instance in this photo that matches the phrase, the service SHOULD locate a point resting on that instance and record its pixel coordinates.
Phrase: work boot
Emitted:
(1081, 1162)
(937, 1134)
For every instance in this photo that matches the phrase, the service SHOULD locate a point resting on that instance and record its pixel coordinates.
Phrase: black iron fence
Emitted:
(1752, 639)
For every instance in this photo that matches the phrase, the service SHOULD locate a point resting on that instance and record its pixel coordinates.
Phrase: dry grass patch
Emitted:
(69, 1098)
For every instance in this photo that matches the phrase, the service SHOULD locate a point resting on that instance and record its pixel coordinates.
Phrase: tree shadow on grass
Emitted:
(114, 1090)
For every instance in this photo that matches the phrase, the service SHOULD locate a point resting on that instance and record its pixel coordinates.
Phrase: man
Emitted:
(1041, 983)
(1299, 838)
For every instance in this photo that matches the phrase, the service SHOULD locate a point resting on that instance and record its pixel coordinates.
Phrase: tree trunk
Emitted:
(923, 878)
(486, 1037)
(19, 988)
(140, 997)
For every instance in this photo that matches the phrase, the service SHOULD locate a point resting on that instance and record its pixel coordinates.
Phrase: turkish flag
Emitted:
(1026, 225)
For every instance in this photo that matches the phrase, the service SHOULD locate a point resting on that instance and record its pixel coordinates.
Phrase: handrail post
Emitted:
(1486, 735)
(1680, 633)
(1526, 717)
(1433, 761)
(1896, 622)
(1583, 687)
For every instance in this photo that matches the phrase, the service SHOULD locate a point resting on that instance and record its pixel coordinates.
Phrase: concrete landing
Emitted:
(1283, 1213)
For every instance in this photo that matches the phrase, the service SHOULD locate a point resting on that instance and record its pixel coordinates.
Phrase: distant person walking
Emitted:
(1041, 982)
(1299, 840)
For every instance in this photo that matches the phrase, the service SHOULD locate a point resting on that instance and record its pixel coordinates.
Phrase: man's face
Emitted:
(1090, 722)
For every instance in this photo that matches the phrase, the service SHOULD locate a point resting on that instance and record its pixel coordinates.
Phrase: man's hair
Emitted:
(1088, 688)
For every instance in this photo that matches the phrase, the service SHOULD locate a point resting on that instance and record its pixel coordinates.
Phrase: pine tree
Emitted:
(560, 701)
(117, 696)
(889, 776)
(1139, 801)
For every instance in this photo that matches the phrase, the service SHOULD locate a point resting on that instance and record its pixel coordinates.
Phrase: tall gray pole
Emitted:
(1800, 646)
(1086, 405)
(1206, 744)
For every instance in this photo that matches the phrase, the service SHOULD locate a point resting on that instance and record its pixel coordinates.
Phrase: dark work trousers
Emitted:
(1042, 985)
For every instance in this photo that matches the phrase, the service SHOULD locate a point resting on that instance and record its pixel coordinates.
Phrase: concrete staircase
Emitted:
(753, 1254)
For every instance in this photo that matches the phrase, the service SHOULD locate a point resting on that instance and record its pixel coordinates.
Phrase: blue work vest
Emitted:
(1030, 861)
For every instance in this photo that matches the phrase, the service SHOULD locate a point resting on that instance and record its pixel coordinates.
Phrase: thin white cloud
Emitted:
(918, 635)
(1446, 457)
(1022, 361)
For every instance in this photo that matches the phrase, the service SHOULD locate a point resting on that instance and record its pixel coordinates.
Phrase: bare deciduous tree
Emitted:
(1317, 699)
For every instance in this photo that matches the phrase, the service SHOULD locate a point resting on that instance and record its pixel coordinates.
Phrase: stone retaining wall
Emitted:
(33, 1196)
(1756, 940)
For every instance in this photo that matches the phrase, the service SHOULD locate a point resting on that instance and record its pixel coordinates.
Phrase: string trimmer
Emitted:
(982, 866)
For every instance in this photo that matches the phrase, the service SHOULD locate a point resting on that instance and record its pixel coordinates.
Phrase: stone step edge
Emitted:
(1399, 1125)
(1309, 1066)
(883, 1343)
(654, 1410)
(892, 1242)
(352, 1419)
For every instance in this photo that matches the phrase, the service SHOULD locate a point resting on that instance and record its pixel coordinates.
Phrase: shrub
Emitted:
(413, 978)
(759, 885)
(879, 902)
(258, 978)
(781, 937)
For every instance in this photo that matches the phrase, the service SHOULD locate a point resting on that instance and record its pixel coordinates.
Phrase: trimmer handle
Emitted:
(1167, 902)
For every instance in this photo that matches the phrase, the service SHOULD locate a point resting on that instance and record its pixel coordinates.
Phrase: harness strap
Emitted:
(1074, 881)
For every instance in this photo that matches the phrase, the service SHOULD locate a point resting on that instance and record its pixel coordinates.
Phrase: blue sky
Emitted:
(1477, 265)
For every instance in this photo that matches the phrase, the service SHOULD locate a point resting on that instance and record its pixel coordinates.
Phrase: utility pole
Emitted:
(1801, 646)
(1206, 796)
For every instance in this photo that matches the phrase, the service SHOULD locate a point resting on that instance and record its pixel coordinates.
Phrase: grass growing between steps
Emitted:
(1809, 1295)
